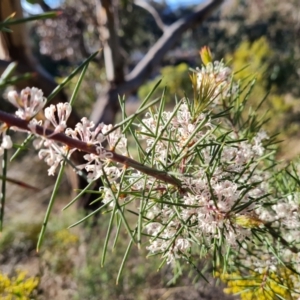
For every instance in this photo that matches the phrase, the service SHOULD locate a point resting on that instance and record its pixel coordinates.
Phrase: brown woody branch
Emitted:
(11, 120)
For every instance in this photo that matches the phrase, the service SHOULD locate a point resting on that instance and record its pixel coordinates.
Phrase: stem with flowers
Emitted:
(71, 144)
(203, 181)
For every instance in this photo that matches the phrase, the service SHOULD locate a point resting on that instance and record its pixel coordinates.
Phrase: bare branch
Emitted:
(167, 41)
(150, 9)
(107, 106)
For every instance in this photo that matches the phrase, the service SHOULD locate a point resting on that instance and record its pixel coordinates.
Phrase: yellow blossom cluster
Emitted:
(19, 287)
(260, 286)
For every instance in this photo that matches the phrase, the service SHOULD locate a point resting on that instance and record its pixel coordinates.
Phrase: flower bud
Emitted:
(206, 55)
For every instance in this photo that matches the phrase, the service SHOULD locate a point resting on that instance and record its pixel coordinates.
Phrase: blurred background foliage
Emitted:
(255, 61)
(175, 78)
(262, 36)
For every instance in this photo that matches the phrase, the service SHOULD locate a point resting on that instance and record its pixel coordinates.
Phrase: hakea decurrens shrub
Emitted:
(204, 181)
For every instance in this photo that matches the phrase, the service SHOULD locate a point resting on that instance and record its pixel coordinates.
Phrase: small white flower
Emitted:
(112, 173)
(108, 196)
(115, 139)
(87, 132)
(6, 142)
(33, 123)
(63, 112)
(29, 102)
(53, 154)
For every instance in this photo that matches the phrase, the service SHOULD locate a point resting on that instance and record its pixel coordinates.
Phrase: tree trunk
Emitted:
(14, 47)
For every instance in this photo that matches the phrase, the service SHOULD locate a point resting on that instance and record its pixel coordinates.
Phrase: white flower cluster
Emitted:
(284, 216)
(52, 152)
(31, 101)
(87, 132)
(6, 140)
(221, 186)
(219, 77)
(100, 162)
(179, 127)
